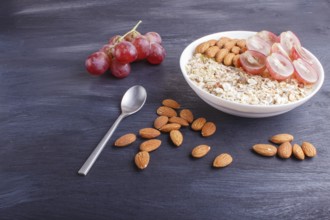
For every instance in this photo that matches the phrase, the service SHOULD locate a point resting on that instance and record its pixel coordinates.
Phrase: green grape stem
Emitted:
(133, 29)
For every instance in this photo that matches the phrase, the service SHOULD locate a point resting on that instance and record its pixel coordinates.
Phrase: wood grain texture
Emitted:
(52, 115)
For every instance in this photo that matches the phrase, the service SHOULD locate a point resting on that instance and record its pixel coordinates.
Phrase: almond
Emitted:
(222, 160)
(171, 103)
(201, 48)
(149, 133)
(208, 129)
(221, 42)
(212, 42)
(281, 138)
(176, 137)
(198, 124)
(266, 150)
(187, 114)
(241, 43)
(212, 51)
(150, 145)
(142, 159)
(309, 149)
(160, 121)
(298, 152)
(179, 120)
(166, 111)
(200, 151)
(125, 140)
(284, 150)
(170, 127)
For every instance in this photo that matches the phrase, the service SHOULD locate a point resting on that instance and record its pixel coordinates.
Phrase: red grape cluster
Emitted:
(123, 50)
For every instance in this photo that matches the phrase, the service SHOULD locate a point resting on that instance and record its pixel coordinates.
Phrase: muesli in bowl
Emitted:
(251, 74)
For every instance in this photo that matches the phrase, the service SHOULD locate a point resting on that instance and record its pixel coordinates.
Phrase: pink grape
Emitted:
(125, 52)
(142, 46)
(97, 63)
(114, 39)
(107, 49)
(131, 36)
(120, 70)
(157, 54)
(153, 37)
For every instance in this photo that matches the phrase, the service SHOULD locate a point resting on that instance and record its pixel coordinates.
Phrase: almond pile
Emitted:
(170, 120)
(285, 149)
(225, 50)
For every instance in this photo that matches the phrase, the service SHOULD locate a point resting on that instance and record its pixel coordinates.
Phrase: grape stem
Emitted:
(122, 37)
(133, 29)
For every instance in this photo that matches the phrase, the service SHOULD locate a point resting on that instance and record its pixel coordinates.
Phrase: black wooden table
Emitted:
(53, 114)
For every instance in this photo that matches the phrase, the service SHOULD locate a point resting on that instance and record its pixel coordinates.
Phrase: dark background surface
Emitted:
(53, 114)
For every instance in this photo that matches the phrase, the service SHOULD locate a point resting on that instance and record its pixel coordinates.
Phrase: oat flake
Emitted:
(234, 84)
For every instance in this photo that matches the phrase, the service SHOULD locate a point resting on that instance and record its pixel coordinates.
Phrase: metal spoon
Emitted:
(132, 101)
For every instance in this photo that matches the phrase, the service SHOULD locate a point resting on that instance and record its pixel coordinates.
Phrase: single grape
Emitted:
(142, 46)
(153, 37)
(120, 70)
(131, 36)
(107, 49)
(157, 54)
(97, 63)
(114, 40)
(125, 52)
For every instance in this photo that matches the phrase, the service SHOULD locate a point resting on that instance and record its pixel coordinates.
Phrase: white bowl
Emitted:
(234, 108)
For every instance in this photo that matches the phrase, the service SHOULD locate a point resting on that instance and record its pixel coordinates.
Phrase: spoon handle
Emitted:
(97, 151)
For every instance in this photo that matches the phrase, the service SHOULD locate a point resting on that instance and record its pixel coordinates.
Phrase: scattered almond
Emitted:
(149, 133)
(298, 152)
(222, 160)
(266, 150)
(208, 129)
(281, 138)
(309, 149)
(160, 121)
(142, 159)
(166, 111)
(171, 103)
(125, 140)
(200, 151)
(179, 120)
(176, 137)
(187, 114)
(284, 150)
(170, 127)
(198, 124)
(150, 145)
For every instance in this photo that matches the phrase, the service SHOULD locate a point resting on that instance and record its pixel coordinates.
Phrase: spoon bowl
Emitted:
(133, 100)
